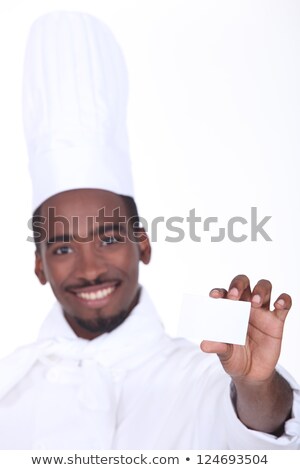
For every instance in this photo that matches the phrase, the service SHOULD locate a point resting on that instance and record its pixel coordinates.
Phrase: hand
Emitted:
(255, 362)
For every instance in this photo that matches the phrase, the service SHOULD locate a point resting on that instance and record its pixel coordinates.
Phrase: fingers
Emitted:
(261, 294)
(260, 297)
(282, 306)
(239, 288)
(218, 293)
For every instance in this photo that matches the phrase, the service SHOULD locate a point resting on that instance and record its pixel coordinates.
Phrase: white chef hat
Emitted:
(74, 107)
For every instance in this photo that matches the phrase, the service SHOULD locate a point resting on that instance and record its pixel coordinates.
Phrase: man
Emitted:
(103, 374)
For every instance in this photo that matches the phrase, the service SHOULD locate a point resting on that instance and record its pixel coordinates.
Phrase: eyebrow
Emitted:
(59, 238)
(108, 227)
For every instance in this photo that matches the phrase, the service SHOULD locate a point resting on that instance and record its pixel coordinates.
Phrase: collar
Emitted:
(141, 329)
(137, 339)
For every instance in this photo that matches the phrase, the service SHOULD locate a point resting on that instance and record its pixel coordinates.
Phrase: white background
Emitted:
(213, 124)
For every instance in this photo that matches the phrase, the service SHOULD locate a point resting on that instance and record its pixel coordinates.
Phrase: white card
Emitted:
(221, 320)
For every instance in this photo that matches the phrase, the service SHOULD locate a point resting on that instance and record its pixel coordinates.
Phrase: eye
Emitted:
(63, 250)
(108, 240)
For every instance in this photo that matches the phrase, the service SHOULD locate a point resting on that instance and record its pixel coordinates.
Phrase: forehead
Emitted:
(84, 203)
(82, 212)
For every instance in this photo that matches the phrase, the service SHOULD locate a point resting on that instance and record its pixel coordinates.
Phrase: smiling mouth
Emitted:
(96, 294)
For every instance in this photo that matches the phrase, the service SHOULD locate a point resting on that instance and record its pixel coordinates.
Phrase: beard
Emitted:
(93, 327)
(99, 326)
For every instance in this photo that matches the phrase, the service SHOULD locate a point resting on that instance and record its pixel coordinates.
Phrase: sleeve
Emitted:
(240, 437)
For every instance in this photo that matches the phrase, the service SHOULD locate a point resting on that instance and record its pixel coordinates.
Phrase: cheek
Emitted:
(57, 272)
(129, 259)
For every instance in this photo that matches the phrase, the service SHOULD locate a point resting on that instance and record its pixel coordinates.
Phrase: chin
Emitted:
(99, 325)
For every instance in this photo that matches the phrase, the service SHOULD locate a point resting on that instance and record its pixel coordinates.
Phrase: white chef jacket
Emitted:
(133, 388)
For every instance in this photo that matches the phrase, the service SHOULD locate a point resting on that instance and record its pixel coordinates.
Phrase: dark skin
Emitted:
(96, 283)
(103, 265)
(263, 398)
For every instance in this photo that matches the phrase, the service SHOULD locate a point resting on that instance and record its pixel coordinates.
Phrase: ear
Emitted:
(39, 271)
(144, 246)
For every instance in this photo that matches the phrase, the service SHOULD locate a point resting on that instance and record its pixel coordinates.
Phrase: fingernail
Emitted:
(233, 292)
(280, 302)
(256, 299)
(215, 292)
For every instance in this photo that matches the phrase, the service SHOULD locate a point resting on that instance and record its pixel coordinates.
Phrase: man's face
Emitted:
(91, 266)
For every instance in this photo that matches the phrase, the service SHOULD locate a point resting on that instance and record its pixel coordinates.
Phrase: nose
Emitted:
(90, 263)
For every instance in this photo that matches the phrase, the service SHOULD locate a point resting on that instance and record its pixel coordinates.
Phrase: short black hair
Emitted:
(131, 209)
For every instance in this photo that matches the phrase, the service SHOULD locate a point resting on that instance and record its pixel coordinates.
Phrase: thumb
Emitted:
(224, 350)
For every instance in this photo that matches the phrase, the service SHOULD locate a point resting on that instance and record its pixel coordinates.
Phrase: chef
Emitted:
(103, 374)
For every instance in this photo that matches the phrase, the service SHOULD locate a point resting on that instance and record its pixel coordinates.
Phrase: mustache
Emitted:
(99, 281)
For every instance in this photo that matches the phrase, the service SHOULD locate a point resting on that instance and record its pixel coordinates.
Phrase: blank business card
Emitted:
(221, 320)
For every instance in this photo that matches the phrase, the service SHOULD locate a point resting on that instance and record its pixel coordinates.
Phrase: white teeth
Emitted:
(99, 294)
